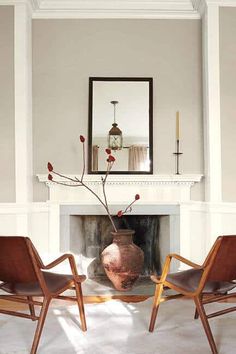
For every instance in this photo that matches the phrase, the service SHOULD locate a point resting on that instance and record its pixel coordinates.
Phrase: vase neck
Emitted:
(123, 236)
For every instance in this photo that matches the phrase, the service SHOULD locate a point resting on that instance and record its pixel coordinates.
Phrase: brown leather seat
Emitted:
(24, 276)
(215, 278)
(54, 283)
(189, 281)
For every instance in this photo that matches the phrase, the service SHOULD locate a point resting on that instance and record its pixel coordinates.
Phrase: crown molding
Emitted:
(222, 3)
(150, 9)
(32, 5)
(35, 4)
(199, 4)
(17, 2)
(133, 9)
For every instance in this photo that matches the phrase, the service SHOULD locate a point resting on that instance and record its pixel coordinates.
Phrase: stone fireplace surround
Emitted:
(162, 195)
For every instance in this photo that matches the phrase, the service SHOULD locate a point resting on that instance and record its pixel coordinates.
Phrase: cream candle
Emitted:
(177, 125)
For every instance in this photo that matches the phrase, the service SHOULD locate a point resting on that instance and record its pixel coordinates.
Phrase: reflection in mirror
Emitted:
(120, 117)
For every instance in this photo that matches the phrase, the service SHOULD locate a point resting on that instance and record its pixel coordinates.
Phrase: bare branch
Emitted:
(80, 183)
(82, 176)
(66, 177)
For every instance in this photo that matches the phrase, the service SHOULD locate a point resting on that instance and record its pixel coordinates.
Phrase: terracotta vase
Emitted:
(122, 260)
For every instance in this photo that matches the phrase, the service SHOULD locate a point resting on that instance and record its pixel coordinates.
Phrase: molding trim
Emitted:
(133, 9)
(118, 9)
(153, 188)
(220, 2)
(201, 4)
(131, 179)
(30, 3)
(44, 207)
(118, 14)
(211, 104)
(35, 4)
(24, 208)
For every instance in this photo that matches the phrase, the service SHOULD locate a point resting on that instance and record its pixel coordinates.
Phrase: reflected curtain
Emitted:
(138, 158)
(95, 158)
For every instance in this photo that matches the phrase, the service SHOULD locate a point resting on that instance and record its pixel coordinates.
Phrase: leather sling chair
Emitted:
(23, 276)
(205, 283)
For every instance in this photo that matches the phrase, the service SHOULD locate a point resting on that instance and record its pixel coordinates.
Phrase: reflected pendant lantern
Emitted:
(115, 139)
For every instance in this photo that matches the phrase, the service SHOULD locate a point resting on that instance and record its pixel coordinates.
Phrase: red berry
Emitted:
(108, 151)
(50, 178)
(120, 213)
(50, 167)
(82, 138)
(111, 158)
(137, 197)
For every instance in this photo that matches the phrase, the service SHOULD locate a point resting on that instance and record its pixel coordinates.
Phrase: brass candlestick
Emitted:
(177, 154)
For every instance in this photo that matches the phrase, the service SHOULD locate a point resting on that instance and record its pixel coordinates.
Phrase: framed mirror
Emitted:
(121, 118)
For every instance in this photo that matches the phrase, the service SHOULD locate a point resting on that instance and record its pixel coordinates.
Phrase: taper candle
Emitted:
(177, 125)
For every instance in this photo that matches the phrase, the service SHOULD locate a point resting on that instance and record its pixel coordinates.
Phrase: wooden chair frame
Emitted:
(47, 295)
(197, 295)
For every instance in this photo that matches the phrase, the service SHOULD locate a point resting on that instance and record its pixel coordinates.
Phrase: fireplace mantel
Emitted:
(132, 179)
(168, 196)
(153, 188)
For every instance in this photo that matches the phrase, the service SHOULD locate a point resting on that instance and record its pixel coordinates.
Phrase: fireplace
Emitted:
(86, 232)
(164, 197)
(90, 234)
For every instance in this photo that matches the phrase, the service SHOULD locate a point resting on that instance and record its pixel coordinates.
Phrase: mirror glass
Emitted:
(120, 118)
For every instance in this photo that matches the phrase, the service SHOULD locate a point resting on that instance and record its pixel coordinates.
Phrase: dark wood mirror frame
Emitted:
(150, 123)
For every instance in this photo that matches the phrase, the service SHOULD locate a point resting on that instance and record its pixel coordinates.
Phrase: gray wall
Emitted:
(228, 101)
(7, 144)
(67, 52)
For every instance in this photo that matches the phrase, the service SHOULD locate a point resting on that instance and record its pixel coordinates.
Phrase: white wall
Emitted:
(67, 52)
(228, 101)
(7, 138)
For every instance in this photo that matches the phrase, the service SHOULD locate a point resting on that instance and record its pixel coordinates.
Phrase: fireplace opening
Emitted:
(90, 234)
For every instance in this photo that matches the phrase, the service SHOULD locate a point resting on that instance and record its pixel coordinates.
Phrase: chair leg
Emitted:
(156, 302)
(80, 302)
(196, 315)
(205, 323)
(40, 324)
(31, 307)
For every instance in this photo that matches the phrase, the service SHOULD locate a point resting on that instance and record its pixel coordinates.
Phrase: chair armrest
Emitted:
(57, 261)
(186, 261)
(161, 279)
(78, 278)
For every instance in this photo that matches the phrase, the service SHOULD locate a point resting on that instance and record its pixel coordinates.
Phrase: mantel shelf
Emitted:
(131, 179)
(120, 188)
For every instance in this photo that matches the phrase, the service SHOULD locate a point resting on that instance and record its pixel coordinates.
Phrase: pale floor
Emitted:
(126, 320)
